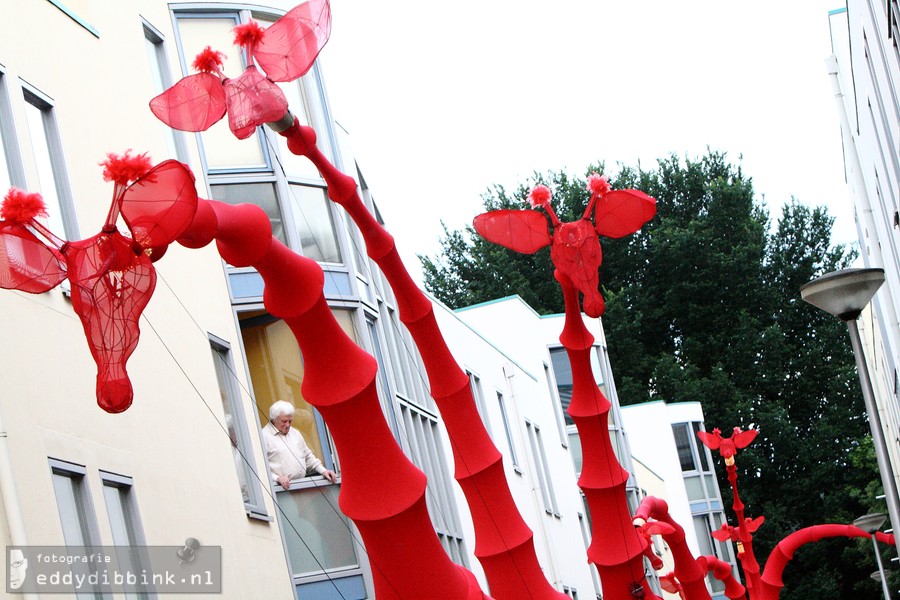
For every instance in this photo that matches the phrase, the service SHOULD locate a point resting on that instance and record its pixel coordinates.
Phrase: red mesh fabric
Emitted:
(112, 281)
(622, 212)
(26, 263)
(252, 100)
(160, 205)
(575, 249)
(524, 231)
(289, 47)
(192, 104)
(576, 253)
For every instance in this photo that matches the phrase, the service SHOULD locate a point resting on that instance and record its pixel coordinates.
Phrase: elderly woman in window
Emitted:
(289, 456)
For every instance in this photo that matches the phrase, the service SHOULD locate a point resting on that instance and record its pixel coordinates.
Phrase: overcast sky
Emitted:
(442, 100)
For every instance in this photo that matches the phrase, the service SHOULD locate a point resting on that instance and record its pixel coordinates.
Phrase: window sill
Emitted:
(255, 516)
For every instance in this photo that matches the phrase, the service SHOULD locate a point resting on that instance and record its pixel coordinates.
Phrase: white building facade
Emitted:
(865, 72)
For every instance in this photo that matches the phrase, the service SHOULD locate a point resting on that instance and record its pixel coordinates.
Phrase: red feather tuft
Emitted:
(248, 34)
(598, 184)
(209, 61)
(539, 196)
(123, 168)
(21, 207)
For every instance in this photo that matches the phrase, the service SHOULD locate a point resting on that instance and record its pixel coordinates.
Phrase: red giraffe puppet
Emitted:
(504, 543)
(617, 548)
(767, 586)
(112, 275)
(161, 206)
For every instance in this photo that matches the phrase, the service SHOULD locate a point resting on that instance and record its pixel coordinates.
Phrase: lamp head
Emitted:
(843, 293)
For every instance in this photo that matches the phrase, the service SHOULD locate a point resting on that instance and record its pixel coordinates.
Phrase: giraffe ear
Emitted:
(193, 104)
(160, 204)
(524, 231)
(743, 439)
(622, 212)
(289, 46)
(26, 263)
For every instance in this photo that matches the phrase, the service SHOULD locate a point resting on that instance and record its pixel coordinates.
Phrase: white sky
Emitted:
(444, 99)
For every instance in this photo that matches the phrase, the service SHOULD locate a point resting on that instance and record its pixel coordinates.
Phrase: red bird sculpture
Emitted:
(575, 249)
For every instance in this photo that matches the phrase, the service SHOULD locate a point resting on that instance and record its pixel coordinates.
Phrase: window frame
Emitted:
(56, 157)
(542, 469)
(84, 506)
(254, 505)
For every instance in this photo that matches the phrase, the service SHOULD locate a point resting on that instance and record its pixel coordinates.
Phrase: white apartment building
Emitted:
(865, 73)
(185, 462)
(664, 441)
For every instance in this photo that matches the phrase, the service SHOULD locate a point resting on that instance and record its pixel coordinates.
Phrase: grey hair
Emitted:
(280, 407)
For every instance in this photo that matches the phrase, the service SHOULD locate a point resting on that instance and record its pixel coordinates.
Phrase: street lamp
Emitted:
(870, 524)
(845, 294)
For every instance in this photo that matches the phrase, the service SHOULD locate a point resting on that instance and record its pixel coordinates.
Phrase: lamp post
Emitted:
(870, 524)
(845, 294)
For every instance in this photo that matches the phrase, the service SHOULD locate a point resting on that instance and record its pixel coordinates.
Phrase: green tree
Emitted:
(703, 305)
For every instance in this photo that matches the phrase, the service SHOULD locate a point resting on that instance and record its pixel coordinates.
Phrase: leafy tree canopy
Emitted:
(703, 304)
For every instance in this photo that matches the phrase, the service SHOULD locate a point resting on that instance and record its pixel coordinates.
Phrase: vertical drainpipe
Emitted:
(12, 510)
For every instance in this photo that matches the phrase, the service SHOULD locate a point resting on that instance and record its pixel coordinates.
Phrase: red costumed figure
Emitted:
(504, 543)
(767, 586)
(617, 549)
(111, 274)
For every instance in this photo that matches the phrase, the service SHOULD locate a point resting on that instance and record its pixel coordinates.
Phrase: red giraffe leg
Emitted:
(745, 537)
(771, 583)
(690, 573)
(504, 543)
(382, 491)
(616, 547)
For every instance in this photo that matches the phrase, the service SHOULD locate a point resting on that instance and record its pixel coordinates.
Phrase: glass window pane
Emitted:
(562, 371)
(683, 445)
(694, 488)
(507, 428)
(575, 450)
(35, 117)
(221, 148)
(71, 512)
(315, 227)
(160, 80)
(261, 194)
(239, 446)
(704, 536)
(317, 534)
(701, 449)
(276, 372)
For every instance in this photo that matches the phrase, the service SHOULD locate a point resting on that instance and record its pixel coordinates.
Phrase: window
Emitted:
(276, 373)
(125, 524)
(478, 396)
(53, 181)
(513, 457)
(10, 167)
(586, 537)
(542, 468)
(557, 408)
(385, 396)
(161, 80)
(315, 227)
(260, 193)
(239, 437)
(260, 169)
(423, 446)
(76, 513)
(562, 371)
(222, 151)
(684, 446)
